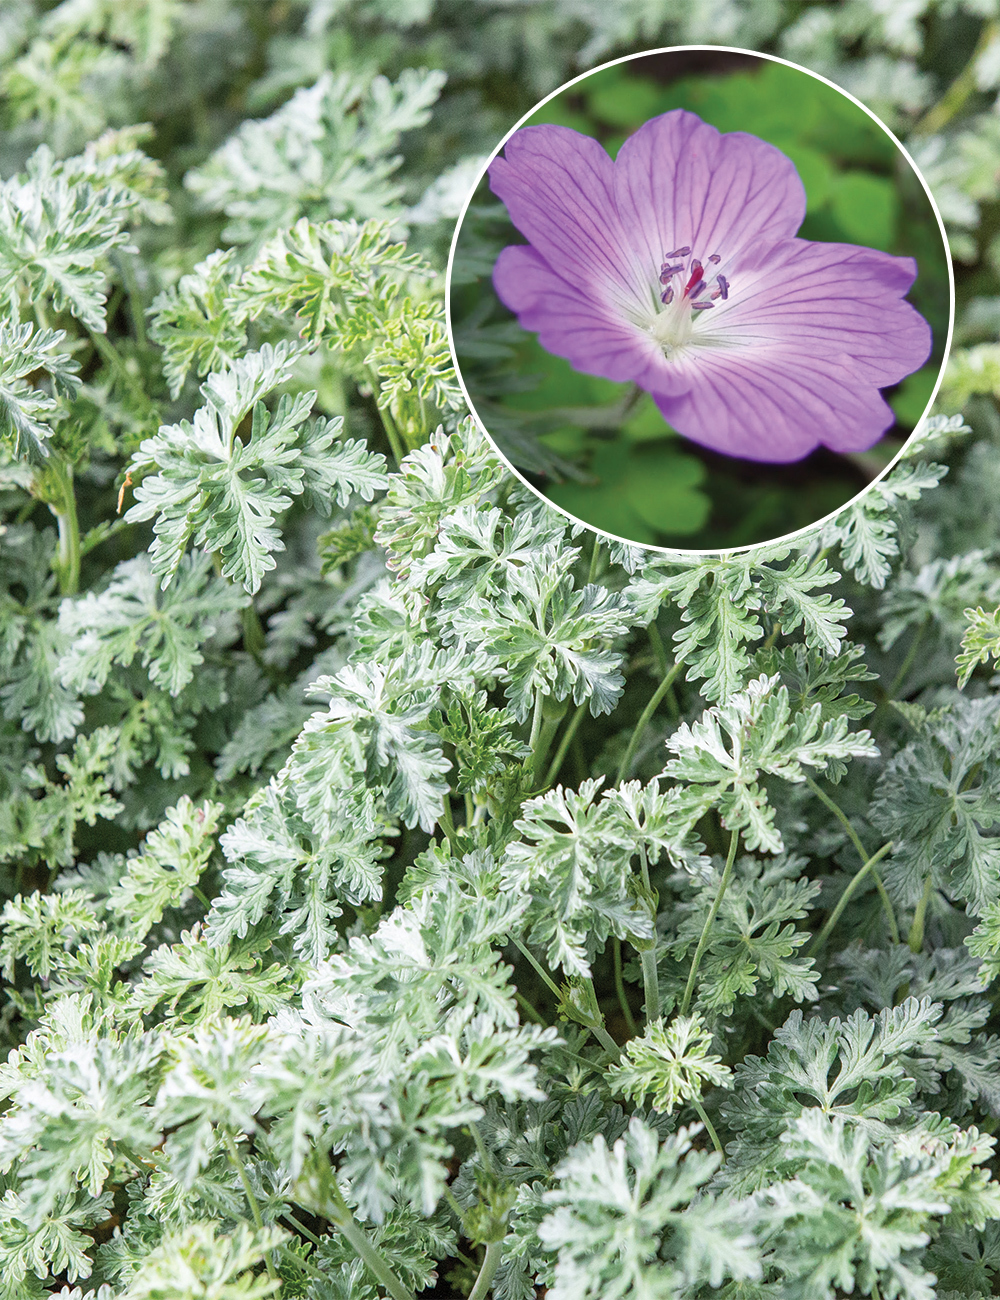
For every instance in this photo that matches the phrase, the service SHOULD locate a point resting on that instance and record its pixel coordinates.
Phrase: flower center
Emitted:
(687, 292)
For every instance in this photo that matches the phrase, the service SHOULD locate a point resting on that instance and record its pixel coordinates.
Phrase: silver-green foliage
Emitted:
(341, 956)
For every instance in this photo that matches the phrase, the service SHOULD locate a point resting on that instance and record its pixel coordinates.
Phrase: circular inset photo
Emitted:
(700, 298)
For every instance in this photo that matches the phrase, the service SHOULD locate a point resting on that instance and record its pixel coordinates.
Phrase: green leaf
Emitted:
(24, 407)
(669, 1063)
(131, 617)
(626, 1222)
(172, 860)
(195, 325)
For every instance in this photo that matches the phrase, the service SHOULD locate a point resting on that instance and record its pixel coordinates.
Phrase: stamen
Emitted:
(723, 284)
(714, 258)
(678, 252)
(667, 272)
(667, 296)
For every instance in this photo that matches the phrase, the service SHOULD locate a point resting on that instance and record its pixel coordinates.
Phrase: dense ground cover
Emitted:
(403, 893)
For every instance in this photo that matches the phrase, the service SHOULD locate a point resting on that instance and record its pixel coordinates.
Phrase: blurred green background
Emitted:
(601, 450)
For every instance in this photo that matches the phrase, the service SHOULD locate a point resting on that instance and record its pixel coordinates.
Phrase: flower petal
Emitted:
(826, 299)
(778, 406)
(679, 181)
(591, 335)
(557, 187)
(796, 356)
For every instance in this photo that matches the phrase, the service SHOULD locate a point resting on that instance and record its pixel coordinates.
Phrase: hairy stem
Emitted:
(846, 896)
(852, 835)
(342, 1218)
(915, 938)
(236, 1160)
(647, 713)
(616, 954)
(491, 1262)
(699, 952)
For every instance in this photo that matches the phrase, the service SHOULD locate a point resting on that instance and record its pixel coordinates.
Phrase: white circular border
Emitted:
(751, 546)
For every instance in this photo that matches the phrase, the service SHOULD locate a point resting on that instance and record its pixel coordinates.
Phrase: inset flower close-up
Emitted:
(676, 266)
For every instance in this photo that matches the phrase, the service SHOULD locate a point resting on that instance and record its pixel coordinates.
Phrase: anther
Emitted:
(701, 306)
(714, 258)
(667, 296)
(678, 252)
(723, 284)
(667, 272)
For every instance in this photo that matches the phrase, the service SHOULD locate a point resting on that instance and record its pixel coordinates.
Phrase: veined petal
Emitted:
(557, 187)
(827, 299)
(778, 405)
(678, 181)
(592, 336)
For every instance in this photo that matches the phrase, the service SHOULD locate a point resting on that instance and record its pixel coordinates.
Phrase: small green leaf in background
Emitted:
(911, 397)
(639, 493)
(866, 208)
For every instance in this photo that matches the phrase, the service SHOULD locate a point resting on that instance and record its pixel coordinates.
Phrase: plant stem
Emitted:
(595, 557)
(112, 357)
(527, 1008)
(593, 1027)
(538, 967)
(564, 744)
(960, 90)
(543, 740)
(491, 1262)
(300, 1227)
(536, 724)
(915, 939)
(68, 551)
(254, 639)
(309, 1269)
(343, 1219)
(647, 956)
(855, 839)
(236, 1160)
(605, 1040)
(388, 423)
(846, 897)
(616, 952)
(659, 650)
(699, 952)
(709, 1126)
(647, 713)
(907, 663)
(447, 824)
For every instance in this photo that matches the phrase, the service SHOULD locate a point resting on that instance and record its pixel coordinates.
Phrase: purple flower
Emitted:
(676, 266)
